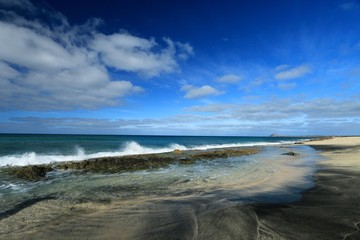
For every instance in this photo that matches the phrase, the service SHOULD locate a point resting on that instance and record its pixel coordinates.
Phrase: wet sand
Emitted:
(330, 210)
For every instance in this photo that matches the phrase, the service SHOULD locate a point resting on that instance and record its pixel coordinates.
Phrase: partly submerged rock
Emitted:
(116, 164)
(292, 154)
(31, 173)
(131, 162)
(223, 153)
(155, 160)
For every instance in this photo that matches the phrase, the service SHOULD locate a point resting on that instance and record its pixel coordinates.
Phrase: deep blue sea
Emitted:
(24, 149)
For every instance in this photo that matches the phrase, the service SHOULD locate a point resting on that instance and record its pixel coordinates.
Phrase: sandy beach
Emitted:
(179, 120)
(329, 210)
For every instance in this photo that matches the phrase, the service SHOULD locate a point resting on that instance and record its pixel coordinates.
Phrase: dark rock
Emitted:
(131, 162)
(223, 153)
(186, 161)
(148, 161)
(31, 173)
(292, 154)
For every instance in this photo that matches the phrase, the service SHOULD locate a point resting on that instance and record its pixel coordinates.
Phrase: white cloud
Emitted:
(26, 48)
(286, 109)
(52, 65)
(199, 92)
(281, 67)
(184, 50)
(7, 72)
(129, 53)
(287, 86)
(80, 88)
(285, 116)
(295, 72)
(211, 108)
(229, 78)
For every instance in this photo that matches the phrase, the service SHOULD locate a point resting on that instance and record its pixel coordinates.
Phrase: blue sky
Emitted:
(180, 67)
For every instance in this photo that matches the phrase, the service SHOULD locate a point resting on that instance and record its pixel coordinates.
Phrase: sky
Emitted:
(171, 67)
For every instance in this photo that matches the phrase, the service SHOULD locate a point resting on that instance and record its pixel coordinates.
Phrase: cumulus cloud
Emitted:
(81, 88)
(199, 92)
(26, 48)
(48, 64)
(295, 72)
(229, 78)
(130, 53)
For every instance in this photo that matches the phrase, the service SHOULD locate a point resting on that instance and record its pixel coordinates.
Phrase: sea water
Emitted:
(20, 150)
(236, 179)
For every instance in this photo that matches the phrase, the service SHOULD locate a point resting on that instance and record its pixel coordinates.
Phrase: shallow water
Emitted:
(205, 200)
(237, 179)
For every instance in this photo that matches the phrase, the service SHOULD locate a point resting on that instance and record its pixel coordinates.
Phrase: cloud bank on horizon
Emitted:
(216, 72)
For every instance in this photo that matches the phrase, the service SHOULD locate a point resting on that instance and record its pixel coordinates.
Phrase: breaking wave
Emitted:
(129, 148)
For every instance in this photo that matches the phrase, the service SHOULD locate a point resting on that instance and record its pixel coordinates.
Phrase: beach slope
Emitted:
(331, 209)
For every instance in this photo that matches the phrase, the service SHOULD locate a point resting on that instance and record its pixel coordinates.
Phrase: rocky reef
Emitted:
(31, 173)
(130, 162)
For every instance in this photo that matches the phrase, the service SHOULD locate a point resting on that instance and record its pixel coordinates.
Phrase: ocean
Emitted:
(25, 149)
(251, 178)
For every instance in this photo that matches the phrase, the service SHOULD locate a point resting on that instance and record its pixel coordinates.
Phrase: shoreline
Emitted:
(329, 210)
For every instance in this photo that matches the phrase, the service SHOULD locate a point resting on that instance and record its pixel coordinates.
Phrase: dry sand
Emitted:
(341, 152)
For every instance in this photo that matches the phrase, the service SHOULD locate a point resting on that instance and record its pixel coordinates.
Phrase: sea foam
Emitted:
(128, 148)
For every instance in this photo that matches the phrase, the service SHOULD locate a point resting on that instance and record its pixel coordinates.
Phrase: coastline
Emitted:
(329, 210)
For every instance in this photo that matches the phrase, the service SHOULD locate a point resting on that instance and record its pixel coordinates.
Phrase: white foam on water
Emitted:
(129, 148)
(229, 145)
(12, 186)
